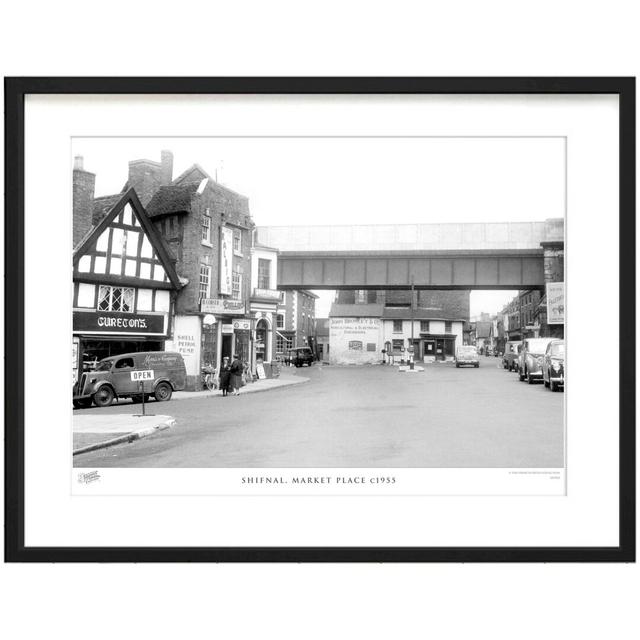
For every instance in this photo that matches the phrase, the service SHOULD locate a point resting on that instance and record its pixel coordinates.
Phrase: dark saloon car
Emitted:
(531, 358)
(553, 365)
(300, 356)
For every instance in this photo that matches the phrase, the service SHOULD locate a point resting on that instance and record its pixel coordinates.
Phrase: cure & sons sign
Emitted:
(108, 322)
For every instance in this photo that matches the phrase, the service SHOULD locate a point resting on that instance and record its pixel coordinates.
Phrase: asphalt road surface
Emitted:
(368, 416)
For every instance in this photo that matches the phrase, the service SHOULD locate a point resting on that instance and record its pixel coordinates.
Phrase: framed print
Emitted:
(320, 319)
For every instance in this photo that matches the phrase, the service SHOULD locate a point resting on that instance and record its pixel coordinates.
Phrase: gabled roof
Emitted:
(203, 174)
(154, 237)
(172, 198)
(102, 205)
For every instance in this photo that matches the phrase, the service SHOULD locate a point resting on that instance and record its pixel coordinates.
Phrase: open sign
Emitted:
(140, 376)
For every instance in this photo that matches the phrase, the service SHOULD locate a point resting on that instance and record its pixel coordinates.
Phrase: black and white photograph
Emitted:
(322, 302)
(362, 311)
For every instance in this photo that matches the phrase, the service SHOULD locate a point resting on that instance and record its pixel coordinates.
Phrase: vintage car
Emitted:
(510, 356)
(467, 355)
(531, 358)
(299, 357)
(112, 378)
(553, 365)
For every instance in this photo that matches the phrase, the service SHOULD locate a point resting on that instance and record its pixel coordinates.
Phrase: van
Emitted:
(300, 356)
(510, 357)
(112, 378)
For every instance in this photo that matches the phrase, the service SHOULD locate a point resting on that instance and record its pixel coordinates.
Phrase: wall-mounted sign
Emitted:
(226, 260)
(267, 294)
(222, 306)
(227, 328)
(141, 376)
(555, 302)
(241, 325)
(111, 322)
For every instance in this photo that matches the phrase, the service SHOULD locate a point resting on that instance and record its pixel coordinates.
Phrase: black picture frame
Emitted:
(15, 91)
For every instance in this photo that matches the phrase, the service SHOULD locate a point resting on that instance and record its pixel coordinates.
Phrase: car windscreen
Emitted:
(467, 350)
(556, 350)
(537, 346)
(105, 365)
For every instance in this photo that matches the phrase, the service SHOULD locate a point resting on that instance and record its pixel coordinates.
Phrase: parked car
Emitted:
(300, 356)
(467, 355)
(112, 378)
(510, 356)
(553, 365)
(531, 359)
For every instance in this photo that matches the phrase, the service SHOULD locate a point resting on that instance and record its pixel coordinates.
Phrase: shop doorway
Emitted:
(262, 337)
(227, 346)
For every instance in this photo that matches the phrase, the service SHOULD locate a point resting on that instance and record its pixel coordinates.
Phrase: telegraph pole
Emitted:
(411, 361)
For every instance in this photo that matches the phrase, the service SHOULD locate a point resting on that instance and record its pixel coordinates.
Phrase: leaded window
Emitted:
(116, 299)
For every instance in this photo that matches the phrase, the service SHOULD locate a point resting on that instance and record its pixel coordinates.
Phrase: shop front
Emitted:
(100, 334)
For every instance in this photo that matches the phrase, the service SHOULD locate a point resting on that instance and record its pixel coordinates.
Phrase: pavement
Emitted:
(99, 430)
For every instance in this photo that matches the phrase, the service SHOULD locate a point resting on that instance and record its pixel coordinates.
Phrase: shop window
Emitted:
(397, 326)
(236, 286)
(424, 326)
(398, 345)
(205, 281)
(115, 299)
(264, 273)
(355, 345)
(206, 227)
(448, 327)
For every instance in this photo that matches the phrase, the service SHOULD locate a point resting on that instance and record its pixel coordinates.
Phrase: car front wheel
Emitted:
(521, 376)
(104, 396)
(553, 385)
(163, 392)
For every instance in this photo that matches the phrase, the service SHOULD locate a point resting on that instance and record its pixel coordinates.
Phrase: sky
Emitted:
(370, 180)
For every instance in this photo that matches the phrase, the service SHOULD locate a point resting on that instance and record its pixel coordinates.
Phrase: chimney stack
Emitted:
(147, 176)
(84, 184)
(166, 162)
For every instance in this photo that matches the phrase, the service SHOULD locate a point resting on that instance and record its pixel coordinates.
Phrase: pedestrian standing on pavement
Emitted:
(236, 375)
(225, 376)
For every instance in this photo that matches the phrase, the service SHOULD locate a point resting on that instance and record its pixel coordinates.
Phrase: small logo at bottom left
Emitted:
(90, 476)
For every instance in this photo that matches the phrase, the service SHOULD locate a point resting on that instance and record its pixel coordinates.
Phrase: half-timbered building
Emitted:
(124, 286)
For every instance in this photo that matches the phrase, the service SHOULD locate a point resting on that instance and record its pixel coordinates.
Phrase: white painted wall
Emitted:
(342, 331)
(264, 254)
(187, 341)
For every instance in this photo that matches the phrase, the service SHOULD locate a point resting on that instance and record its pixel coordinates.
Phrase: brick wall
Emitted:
(184, 237)
(83, 191)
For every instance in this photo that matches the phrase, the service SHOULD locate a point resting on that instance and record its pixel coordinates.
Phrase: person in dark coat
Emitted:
(236, 375)
(225, 376)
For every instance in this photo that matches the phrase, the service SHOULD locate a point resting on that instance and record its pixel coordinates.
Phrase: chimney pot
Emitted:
(78, 163)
